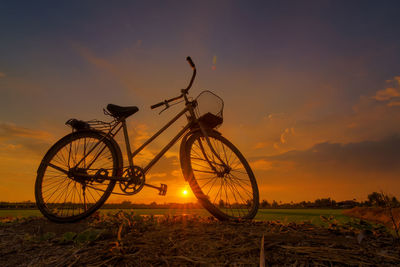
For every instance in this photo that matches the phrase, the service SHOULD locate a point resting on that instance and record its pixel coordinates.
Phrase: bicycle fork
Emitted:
(223, 164)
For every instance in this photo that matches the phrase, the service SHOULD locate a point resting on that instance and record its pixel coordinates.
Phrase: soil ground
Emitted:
(125, 239)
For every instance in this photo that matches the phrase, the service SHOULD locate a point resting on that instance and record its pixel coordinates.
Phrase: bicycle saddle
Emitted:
(121, 112)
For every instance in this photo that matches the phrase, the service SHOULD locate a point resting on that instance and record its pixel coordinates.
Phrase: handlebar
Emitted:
(165, 102)
(157, 105)
(184, 91)
(189, 59)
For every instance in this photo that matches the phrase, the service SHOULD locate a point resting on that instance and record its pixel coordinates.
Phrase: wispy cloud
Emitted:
(97, 61)
(386, 94)
(15, 139)
(109, 66)
(285, 134)
(381, 156)
(342, 170)
(10, 130)
(393, 104)
(389, 93)
(371, 117)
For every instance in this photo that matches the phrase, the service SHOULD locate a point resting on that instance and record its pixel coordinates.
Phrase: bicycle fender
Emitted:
(182, 156)
(182, 151)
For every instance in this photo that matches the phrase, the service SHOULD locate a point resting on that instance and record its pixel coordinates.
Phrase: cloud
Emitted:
(261, 164)
(366, 156)
(17, 139)
(10, 130)
(339, 170)
(2, 75)
(169, 166)
(99, 62)
(260, 145)
(386, 94)
(397, 78)
(103, 64)
(285, 135)
(389, 93)
(393, 104)
(365, 119)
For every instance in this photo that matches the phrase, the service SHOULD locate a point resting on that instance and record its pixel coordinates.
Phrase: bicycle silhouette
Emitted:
(79, 172)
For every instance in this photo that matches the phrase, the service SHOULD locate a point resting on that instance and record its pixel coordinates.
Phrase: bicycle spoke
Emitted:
(204, 171)
(67, 193)
(58, 168)
(230, 191)
(245, 190)
(213, 180)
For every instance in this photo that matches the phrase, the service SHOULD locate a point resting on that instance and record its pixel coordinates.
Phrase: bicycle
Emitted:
(79, 172)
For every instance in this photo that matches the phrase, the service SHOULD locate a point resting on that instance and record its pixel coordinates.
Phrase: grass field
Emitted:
(282, 215)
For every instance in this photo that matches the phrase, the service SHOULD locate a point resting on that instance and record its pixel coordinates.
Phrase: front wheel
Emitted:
(222, 179)
(72, 179)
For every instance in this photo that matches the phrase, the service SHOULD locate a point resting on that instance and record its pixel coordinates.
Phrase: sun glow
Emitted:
(185, 192)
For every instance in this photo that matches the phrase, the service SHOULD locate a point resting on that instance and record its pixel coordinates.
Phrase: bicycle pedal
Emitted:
(163, 190)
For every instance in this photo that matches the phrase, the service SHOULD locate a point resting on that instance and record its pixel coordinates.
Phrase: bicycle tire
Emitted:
(76, 206)
(239, 183)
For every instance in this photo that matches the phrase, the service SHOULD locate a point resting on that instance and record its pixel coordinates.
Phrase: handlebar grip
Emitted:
(157, 105)
(189, 59)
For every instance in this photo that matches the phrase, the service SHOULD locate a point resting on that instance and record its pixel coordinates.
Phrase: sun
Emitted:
(185, 192)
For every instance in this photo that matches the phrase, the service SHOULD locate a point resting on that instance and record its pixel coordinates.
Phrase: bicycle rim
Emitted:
(224, 183)
(67, 198)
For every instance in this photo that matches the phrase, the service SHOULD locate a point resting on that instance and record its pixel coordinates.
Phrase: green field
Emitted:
(282, 215)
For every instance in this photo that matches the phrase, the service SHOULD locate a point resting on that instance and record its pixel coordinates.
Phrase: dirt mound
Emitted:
(126, 239)
(375, 214)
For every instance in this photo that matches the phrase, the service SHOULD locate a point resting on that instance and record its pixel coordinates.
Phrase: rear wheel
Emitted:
(222, 181)
(72, 179)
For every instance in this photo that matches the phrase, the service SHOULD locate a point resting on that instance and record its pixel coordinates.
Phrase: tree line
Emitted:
(374, 199)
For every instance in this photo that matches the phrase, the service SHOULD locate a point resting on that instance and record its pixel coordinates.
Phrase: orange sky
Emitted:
(311, 91)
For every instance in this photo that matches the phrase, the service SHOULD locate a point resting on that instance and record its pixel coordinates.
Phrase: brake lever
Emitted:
(166, 107)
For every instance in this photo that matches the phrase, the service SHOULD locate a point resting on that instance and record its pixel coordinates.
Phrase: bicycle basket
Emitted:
(209, 109)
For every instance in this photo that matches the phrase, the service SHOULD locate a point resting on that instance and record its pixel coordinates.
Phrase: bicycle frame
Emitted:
(192, 120)
(165, 149)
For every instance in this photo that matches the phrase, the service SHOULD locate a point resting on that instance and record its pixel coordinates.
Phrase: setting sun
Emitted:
(185, 192)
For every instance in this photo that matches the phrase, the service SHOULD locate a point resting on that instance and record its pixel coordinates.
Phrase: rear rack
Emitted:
(101, 125)
(79, 125)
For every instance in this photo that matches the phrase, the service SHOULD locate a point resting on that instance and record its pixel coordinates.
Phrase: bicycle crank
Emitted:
(135, 180)
(162, 188)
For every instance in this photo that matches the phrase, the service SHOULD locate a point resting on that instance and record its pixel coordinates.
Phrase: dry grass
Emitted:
(125, 239)
(376, 214)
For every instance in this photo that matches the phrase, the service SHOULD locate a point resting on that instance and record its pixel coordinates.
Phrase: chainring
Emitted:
(134, 180)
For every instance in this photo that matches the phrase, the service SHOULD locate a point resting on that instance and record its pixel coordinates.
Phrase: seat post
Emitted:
(128, 145)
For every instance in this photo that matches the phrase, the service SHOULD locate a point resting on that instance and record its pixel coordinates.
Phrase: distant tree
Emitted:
(264, 204)
(274, 204)
(221, 203)
(376, 199)
(395, 202)
(303, 204)
(324, 202)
